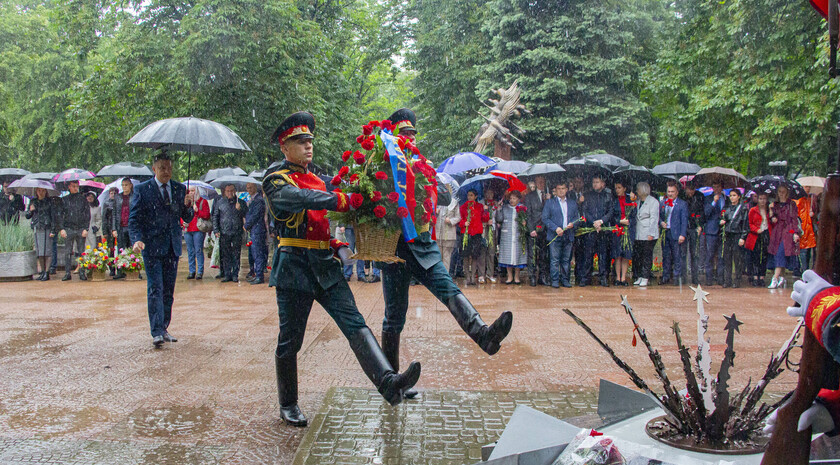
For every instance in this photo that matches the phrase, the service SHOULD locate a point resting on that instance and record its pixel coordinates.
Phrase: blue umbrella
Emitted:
(465, 161)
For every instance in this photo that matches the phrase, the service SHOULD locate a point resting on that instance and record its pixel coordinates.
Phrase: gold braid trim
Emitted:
(294, 220)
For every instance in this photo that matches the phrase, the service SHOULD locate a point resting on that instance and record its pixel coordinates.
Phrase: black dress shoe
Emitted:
(119, 276)
(605, 282)
(199, 276)
(533, 281)
(374, 279)
(219, 276)
(235, 279)
(67, 277)
(663, 281)
(82, 275)
(169, 338)
(258, 281)
(158, 341)
(293, 416)
(226, 280)
(191, 276)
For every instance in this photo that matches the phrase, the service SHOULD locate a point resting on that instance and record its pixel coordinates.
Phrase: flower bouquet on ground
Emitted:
(96, 261)
(129, 263)
(390, 192)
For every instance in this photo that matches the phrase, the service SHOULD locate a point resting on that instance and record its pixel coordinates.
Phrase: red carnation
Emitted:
(356, 200)
(521, 208)
(359, 139)
(381, 175)
(376, 197)
(402, 212)
(345, 156)
(248, 244)
(792, 231)
(427, 217)
(427, 204)
(367, 129)
(387, 124)
(367, 145)
(354, 177)
(343, 171)
(336, 180)
(359, 158)
(393, 197)
(539, 226)
(374, 124)
(379, 211)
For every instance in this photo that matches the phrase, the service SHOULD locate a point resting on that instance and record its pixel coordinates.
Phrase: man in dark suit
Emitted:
(673, 217)
(713, 206)
(559, 215)
(537, 262)
(155, 230)
(422, 261)
(255, 225)
(598, 213)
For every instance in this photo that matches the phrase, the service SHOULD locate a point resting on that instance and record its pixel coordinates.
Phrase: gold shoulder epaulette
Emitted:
(280, 178)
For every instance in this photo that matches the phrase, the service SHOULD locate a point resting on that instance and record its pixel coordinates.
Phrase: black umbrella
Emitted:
(677, 169)
(127, 169)
(586, 168)
(219, 172)
(191, 135)
(610, 161)
(768, 184)
(630, 175)
(239, 182)
(43, 176)
(12, 174)
(513, 166)
(728, 177)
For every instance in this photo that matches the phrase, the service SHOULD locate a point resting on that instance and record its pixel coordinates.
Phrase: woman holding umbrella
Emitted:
(43, 212)
(784, 236)
(733, 224)
(758, 239)
(624, 215)
(473, 217)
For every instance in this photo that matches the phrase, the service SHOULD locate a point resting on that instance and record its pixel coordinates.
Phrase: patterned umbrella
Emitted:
(12, 174)
(26, 187)
(768, 184)
(73, 174)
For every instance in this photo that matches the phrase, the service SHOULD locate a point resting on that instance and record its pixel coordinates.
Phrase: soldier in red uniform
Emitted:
(819, 303)
(306, 268)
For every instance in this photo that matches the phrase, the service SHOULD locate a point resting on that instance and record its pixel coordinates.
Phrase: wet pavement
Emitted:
(81, 382)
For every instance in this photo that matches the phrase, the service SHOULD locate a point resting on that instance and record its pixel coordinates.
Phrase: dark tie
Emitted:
(165, 195)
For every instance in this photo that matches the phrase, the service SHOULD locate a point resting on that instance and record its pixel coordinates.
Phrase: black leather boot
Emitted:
(287, 390)
(391, 348)
(389, 383)
(489, 338)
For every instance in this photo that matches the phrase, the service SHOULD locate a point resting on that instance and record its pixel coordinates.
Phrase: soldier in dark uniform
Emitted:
(424, 263)
(305, 268)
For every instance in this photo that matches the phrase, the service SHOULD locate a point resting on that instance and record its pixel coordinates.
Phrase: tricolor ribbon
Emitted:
(403, 182)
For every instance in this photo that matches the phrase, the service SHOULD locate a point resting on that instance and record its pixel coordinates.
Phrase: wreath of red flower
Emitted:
(379, 211)
(356, 200)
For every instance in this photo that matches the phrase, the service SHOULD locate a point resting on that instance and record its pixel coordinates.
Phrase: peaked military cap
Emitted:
(300, 125)
(404, 119)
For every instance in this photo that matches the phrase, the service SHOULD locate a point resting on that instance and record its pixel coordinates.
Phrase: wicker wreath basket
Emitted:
(375, 244)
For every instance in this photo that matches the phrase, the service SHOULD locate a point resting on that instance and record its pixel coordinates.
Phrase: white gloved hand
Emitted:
(804, 290)
(816, 417)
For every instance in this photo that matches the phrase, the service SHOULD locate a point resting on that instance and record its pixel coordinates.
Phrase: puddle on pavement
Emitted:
(175, 453)
(171, 422)
(52, 421)
(38, 338)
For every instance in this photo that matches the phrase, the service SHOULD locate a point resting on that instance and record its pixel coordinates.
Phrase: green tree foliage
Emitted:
(578, 65)
(742, 83)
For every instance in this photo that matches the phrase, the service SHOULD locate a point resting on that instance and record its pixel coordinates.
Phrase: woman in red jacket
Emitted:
(757, 240)
(473, 217)
(194, 237)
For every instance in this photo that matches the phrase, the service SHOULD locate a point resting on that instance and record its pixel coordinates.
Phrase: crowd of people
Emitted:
(596, 235)
(571, 233)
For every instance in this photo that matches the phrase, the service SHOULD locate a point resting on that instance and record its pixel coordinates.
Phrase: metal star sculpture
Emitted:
(708, 415)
